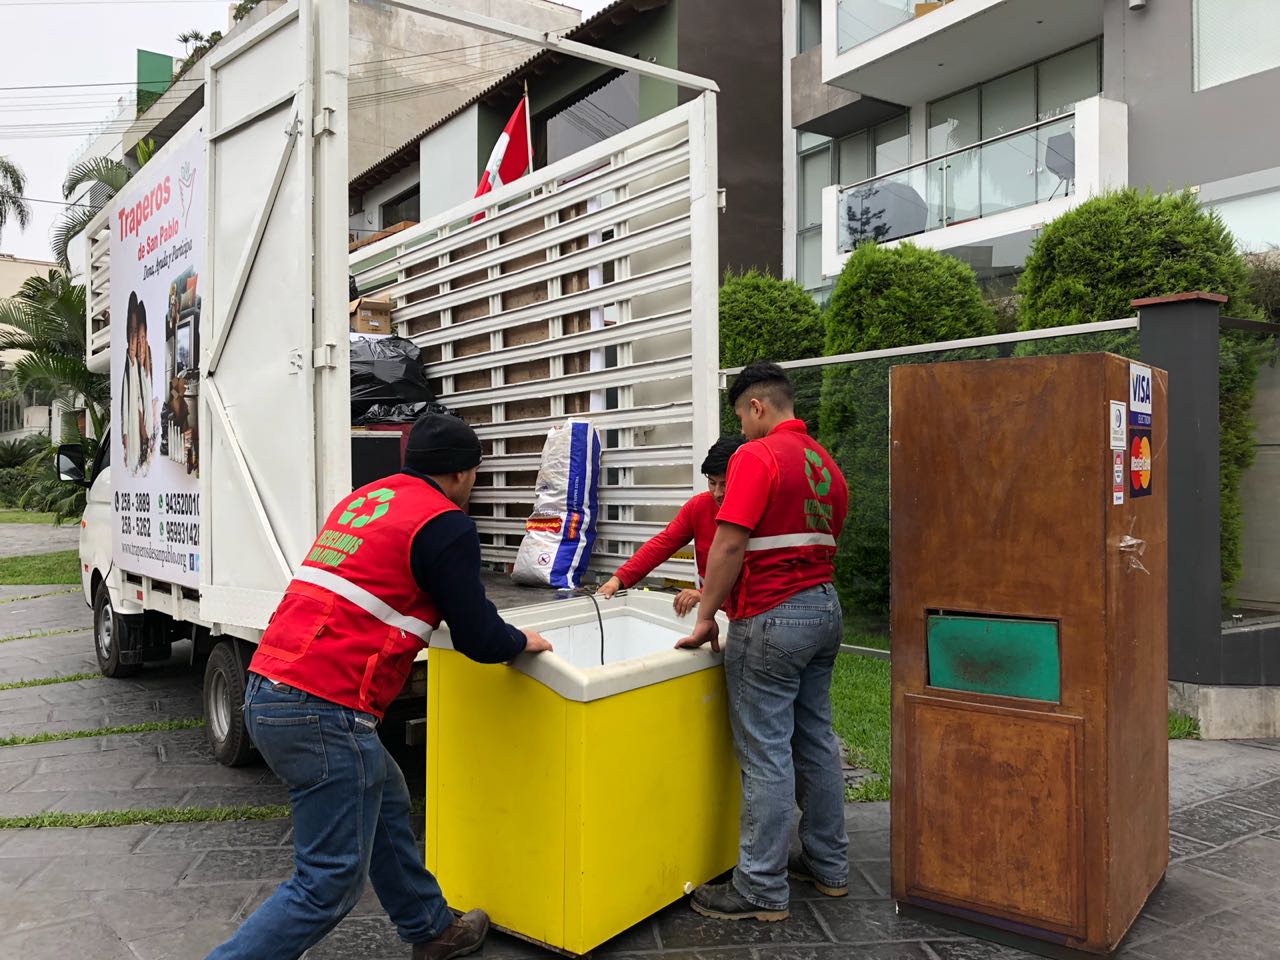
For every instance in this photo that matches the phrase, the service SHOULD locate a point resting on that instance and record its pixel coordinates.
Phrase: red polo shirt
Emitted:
(696, 521)
(789, 493)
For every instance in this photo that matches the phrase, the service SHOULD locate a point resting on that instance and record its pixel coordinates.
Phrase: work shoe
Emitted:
(798, 868)
(465, 935)
(722, 901)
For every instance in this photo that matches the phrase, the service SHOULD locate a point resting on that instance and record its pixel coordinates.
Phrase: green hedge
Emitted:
(13, 482)
(1088, 265)
(884, 298)
(763, 318)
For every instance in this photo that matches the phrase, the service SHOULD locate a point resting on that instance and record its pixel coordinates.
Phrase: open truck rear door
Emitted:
(275, 440)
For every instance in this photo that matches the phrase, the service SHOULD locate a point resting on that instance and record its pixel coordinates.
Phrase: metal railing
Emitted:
(857, 21)
(819, 381)
(1026, 166)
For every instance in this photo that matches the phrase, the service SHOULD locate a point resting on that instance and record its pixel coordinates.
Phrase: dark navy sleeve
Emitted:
(445, 559)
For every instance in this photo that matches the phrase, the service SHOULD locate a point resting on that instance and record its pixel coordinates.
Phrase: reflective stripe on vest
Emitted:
(791, 540)
(365, 600)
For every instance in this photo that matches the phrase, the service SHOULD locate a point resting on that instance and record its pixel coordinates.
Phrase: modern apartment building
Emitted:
(966, 125)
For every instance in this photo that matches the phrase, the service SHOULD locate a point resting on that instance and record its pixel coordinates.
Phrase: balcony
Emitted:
(857, 21)
(907, 52)
(1013, 182)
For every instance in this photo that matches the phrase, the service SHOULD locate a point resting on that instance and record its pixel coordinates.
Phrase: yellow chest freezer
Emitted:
(575, 793)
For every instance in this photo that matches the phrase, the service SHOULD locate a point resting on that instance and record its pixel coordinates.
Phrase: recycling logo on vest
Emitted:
(817, 515)
(358, 515)
(333, 545)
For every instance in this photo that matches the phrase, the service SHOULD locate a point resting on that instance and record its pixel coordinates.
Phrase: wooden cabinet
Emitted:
(1030, 765)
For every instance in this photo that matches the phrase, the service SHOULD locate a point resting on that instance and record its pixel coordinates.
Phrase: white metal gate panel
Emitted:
(96, 242)
(274, 457)
(588, 288)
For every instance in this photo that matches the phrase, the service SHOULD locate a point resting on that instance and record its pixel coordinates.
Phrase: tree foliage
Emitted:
(884, 297)
(13, 188)
(47, 317)
(1090, 263)
(764, 318)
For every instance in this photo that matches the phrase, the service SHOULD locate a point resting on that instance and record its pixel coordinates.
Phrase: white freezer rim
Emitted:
(596, 683)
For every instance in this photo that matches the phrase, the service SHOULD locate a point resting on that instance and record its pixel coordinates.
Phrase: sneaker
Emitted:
(798, 868)
(465, 935)
(722, 901)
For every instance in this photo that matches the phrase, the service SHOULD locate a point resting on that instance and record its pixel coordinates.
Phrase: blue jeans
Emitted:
(778, 667)
(350, 821)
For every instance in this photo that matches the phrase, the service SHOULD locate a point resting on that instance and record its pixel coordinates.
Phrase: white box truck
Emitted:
(217, 301)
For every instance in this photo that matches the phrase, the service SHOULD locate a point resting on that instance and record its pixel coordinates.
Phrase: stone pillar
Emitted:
(1179, 334)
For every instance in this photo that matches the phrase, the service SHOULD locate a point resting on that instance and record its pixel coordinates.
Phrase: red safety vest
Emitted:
(353, 618)
(792, 547)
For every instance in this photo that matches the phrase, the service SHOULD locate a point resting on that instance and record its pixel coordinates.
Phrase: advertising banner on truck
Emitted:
(157, 252)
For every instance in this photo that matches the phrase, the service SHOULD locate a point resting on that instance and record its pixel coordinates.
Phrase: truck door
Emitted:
(274, 401)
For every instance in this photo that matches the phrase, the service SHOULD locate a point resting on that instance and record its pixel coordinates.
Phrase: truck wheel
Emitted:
(109, 632)
(224, 683)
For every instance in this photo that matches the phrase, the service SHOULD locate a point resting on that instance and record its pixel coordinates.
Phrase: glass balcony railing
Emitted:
(1031, 165)
(857, 21)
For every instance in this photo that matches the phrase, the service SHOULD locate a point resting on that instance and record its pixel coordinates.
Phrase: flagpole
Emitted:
(528, 124)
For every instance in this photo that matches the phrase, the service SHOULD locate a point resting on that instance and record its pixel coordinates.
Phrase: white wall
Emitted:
(408, 70)
(448, 159)
(369, 219)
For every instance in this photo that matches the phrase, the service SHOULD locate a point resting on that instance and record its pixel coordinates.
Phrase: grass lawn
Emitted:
(190, 723)
(121, 818)
(860, 714)
(24, 516)
(60, 567)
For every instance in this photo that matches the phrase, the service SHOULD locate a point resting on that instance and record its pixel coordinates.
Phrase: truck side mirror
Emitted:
(70, 459)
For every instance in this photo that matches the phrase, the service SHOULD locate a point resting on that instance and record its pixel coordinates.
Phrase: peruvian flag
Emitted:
(512, 155)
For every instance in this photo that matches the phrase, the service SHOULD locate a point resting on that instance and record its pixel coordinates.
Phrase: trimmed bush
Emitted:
(13, 481)
(1088, 265)
(763, 318)
(884, 298)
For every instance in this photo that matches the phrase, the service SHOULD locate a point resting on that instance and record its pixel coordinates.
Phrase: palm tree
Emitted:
(104, 172)
(12, 187)
(45, 491)
(47, 317)
(199, 44)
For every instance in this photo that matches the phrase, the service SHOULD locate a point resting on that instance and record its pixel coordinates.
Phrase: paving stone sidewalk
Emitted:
(27, 539)
(172, 892)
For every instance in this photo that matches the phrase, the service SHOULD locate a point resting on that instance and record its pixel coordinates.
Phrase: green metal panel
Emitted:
(155, 73)
(1005, 658)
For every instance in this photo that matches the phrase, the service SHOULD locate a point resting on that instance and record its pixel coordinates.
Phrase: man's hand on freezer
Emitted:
(685, 601)
(535, 642)
(706, 629)
(609, 588)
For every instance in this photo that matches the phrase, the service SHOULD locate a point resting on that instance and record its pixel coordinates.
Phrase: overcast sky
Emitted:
(46, 47)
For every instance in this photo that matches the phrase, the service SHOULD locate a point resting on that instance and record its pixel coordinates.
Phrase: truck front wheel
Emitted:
(224, 683)
(109, 634)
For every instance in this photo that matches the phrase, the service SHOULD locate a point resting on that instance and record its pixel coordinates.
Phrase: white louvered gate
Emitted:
(589, 288)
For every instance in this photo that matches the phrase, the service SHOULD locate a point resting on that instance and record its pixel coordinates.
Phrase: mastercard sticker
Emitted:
(1139, 462)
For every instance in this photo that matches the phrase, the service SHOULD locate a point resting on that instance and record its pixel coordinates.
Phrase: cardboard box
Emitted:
(369, 315)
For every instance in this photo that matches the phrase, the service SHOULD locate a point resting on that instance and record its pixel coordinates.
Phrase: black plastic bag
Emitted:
(398, 412)
(385, 370)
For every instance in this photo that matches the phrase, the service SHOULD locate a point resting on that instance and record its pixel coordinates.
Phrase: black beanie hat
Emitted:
(441, 443)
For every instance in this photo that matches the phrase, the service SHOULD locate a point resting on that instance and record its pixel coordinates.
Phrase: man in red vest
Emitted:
(771, 560)
(695, 521)
(392, 561)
